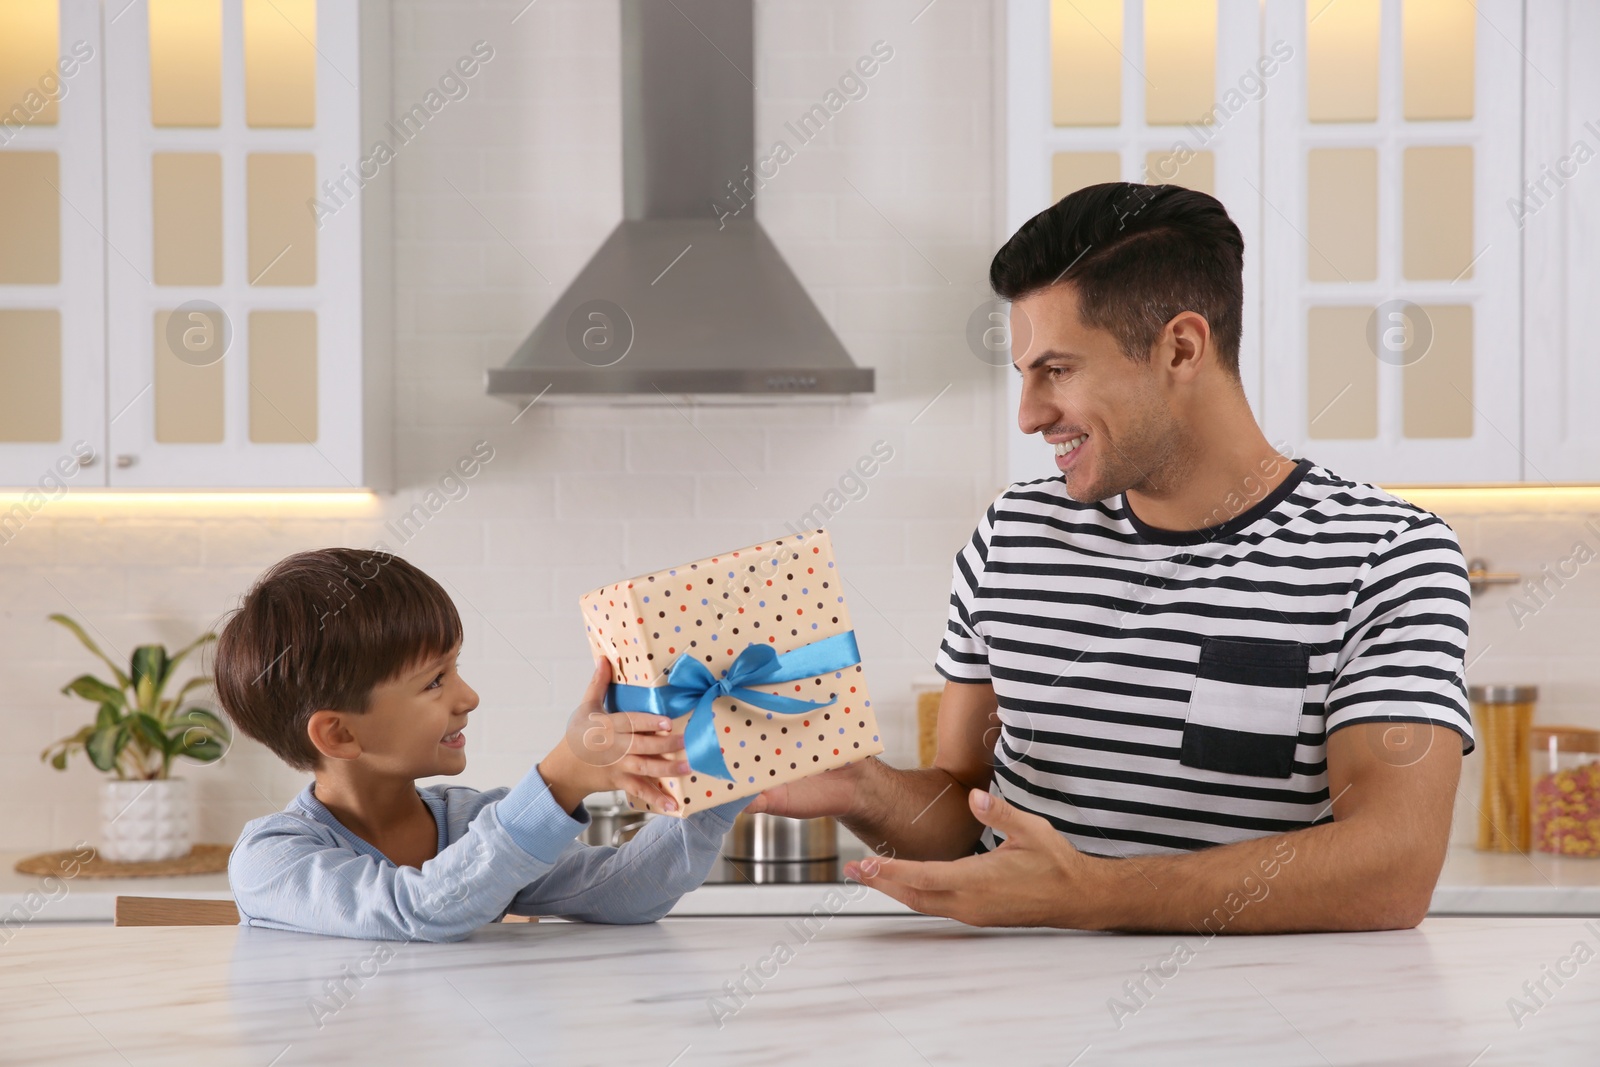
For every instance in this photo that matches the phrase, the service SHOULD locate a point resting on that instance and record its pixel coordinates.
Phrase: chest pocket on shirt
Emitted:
(1244, 712)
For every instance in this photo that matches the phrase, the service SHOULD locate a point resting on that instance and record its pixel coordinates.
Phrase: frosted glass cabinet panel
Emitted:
(1086, 62)
(1180, 61)
(185, 62)
(30, 218)
(28, 49)
(30, 375)
(283, 376)
(282, 232)
(280, 62)
(1342, 214)
(1342, 38)
(1439, 58)
(1341, 375)
(1437, 240)
(186, 218)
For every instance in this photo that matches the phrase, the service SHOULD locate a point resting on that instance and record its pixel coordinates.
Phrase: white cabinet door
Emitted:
(1391, 290)
(1558, 210)
(1169, 65)
(52, 324)
(234, 311)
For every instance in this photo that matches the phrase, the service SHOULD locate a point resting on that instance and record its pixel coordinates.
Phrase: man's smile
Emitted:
(1067, 449)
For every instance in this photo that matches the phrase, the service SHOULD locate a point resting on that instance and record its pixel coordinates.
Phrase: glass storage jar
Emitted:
(1564, 801)
(1502, 716)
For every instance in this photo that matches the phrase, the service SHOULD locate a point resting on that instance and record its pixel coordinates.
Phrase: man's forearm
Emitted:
(912, 814)
(1337, 876)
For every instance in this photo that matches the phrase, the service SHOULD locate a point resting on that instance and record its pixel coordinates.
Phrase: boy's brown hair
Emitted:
(318, 632)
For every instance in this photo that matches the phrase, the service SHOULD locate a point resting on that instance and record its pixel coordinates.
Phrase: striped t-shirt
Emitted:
(1163, 691)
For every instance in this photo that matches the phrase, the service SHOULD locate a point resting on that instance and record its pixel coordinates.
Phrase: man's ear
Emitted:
(331, 735)
(1183, 345)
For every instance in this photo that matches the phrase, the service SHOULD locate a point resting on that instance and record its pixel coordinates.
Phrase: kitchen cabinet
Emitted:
(222, 293)
(1392, 331)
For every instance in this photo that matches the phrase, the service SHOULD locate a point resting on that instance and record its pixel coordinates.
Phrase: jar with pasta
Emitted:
(1564, 799)
(1502, 716)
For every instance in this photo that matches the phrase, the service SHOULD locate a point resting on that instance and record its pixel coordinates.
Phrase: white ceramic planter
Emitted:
(145, 821)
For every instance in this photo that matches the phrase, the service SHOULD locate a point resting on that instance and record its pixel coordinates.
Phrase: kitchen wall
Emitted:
(1545, 629)
(888, 219)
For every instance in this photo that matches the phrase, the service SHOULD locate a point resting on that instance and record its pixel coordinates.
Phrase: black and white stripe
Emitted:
(1165, 691)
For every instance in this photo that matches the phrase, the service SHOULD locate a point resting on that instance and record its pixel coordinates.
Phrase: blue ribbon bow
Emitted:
(691, 688)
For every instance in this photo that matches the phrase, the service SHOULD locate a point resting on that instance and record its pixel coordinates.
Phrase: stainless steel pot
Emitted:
(611, 821)
(778, 839)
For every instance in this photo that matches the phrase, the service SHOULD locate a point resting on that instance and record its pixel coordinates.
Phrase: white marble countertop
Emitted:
(1473, 883)
(868, 990)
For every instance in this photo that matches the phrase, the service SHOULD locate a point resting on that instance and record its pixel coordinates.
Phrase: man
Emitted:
(1192, 685)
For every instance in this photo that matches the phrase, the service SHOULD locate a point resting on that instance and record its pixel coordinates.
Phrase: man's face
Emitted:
(412, 726)
(1080, 390)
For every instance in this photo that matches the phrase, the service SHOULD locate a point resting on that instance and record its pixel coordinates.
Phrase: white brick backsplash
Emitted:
(695, 444)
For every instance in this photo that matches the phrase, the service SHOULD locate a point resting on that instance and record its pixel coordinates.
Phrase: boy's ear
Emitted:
(331, 735)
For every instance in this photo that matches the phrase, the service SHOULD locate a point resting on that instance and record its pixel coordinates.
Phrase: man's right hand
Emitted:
(836, 792)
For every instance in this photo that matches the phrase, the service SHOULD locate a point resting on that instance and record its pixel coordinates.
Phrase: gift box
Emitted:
(752, 655)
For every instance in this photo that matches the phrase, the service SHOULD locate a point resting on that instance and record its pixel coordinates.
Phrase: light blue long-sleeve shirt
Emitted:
(500, 852)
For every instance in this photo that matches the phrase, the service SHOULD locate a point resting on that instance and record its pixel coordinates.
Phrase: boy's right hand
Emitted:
(602, 750)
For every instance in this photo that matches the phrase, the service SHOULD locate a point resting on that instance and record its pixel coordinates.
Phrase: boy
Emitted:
(343, 663)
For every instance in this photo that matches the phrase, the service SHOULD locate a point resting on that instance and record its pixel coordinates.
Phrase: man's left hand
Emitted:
(1032, 879)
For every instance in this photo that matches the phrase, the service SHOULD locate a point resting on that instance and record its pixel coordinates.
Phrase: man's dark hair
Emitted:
(319, 631)
(1137, 255)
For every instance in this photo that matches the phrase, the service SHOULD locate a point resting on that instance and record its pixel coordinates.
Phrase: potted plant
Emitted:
(145, 813)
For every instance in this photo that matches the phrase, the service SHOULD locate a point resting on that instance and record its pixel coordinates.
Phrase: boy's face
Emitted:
(412, 726)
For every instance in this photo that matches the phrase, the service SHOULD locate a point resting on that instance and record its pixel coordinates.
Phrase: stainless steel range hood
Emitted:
(688, 294)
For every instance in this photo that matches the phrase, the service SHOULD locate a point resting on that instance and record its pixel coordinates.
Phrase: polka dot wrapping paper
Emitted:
(784, 593)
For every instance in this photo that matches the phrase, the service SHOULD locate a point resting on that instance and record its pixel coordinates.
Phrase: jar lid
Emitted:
(1503, 694)
(1566, 738)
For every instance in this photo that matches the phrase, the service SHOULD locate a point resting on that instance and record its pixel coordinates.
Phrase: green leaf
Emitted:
(145, 695)
(89, 687)
(148, 662)
(108, 716)
(59, 760)
(197, 717)
(105, 746)
(148, 730)
(116, 672)
(179, 656)
(203, 749)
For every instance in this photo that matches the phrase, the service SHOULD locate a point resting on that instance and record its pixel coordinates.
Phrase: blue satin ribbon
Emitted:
(691, 688)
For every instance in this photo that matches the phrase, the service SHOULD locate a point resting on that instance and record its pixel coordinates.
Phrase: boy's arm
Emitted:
(287, 877)
(637, 883)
